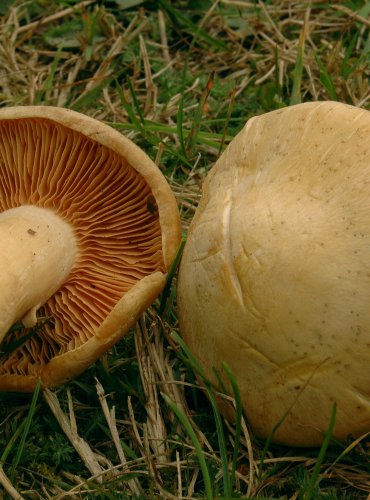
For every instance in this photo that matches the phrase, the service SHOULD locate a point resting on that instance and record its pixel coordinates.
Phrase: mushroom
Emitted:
(275, 276)
(88, 230)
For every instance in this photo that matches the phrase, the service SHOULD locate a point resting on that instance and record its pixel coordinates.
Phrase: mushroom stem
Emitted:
(37, 252)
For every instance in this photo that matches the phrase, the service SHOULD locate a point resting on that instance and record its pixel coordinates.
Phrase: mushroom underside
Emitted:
(275, 275)
(112, 213)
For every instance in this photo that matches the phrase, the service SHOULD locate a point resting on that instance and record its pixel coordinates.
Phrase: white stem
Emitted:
(37, 252)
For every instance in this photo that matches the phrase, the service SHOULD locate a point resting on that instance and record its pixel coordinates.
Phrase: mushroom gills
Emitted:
(37, 252)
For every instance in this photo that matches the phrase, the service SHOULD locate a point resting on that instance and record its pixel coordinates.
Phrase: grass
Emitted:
(180, 79)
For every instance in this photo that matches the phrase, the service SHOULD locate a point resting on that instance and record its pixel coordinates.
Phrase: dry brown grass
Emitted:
(126, 67)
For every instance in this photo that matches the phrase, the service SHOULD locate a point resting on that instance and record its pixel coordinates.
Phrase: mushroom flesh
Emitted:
(88, 229)
(275, 276)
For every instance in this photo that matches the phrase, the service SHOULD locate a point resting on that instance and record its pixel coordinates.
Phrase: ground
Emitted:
(180, 79)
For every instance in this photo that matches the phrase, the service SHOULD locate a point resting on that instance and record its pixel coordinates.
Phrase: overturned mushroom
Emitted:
(275, 277)
(80, 242)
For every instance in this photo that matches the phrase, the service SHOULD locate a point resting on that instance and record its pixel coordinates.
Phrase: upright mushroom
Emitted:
(275, 276)
(88, 229)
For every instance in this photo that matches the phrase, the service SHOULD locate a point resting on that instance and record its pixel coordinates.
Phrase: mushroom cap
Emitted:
(126, 222)
(275, 275)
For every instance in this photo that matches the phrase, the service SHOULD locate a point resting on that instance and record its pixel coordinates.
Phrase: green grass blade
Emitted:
(238, 419)
(308, 494)
(180, 121)
(195, 126)
(250, 498)
(326, 80)
(278, 90)
(10, 343)
(198, 448)
(270, 438)
(180, 112)
(296, 97)
(90, 97)
(349, 448)
(347, 68)
(171, 275)
(11, 442)
(227, 120)
(135, 100)
(27, 426)
(221, 441)
(189, 355)
(216, 413)
(130, 112)
(151, 128)
(178, 19)
(48, 85)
